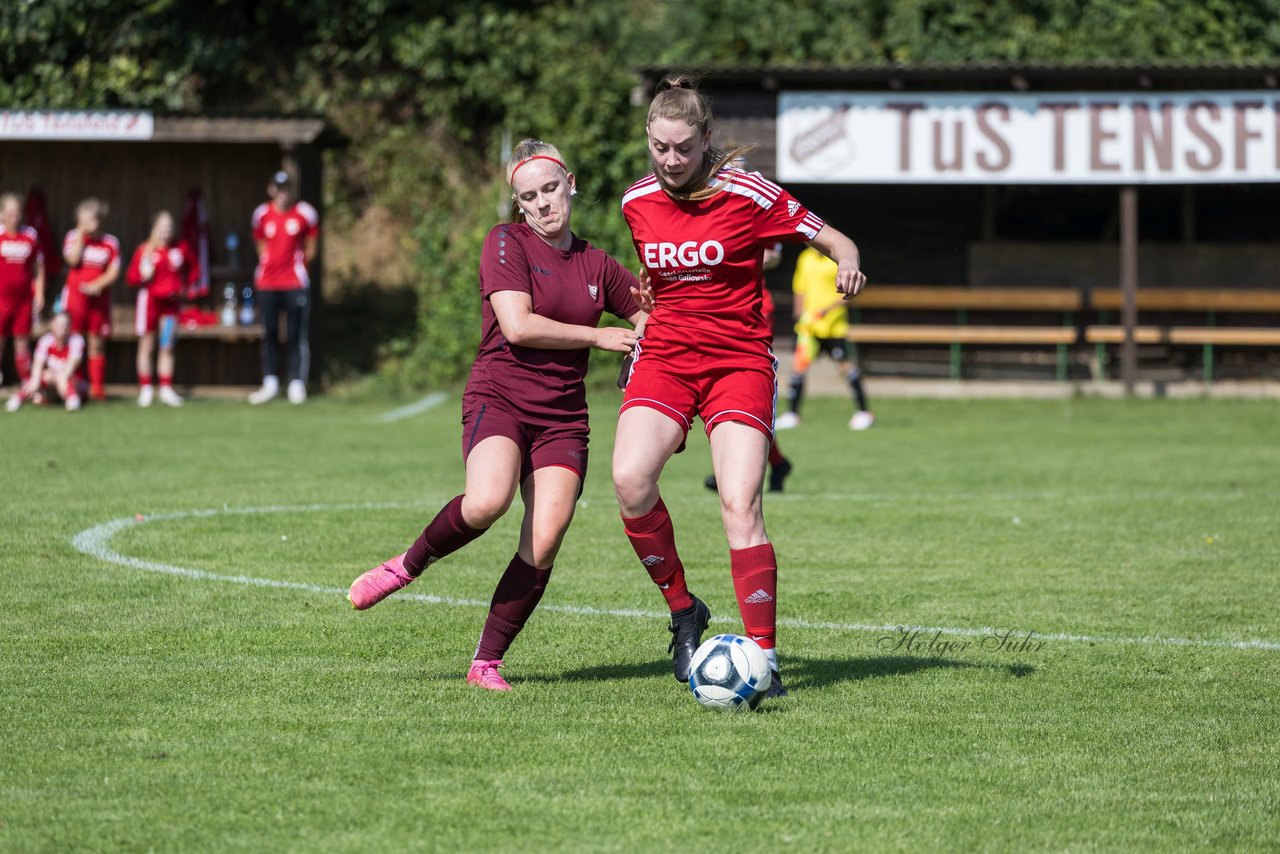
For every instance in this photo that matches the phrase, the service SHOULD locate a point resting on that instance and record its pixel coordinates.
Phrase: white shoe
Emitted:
(73, 403)
(12, 404)
(146, 394)
(786, 421)
(861, 420)
(270, 388)
(169, 397)
(297, 392)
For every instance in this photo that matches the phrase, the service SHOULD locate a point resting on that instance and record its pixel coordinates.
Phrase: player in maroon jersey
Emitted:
(161, 270)
(93, 265)
(699, 227)
(286, 235)
(57, 370)
(524, 411)
(21, 282)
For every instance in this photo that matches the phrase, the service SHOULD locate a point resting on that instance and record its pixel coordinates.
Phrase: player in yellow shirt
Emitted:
(822, 326)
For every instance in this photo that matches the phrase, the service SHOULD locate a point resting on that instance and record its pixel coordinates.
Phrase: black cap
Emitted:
(280, 178)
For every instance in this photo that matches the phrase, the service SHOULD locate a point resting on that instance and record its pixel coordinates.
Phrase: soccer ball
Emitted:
(729, 673)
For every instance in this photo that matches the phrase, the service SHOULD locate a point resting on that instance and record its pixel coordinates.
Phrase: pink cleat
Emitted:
(485, 674)
(379, 583)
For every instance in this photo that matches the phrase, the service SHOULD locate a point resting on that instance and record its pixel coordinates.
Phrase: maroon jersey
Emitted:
(705, 258)
(573, 286)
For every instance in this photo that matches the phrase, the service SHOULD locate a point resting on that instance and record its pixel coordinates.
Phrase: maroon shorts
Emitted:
(563, 445)
(15, 317)
(681, 384)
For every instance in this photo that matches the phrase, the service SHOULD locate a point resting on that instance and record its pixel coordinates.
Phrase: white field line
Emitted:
(96, 542)
(429, 402)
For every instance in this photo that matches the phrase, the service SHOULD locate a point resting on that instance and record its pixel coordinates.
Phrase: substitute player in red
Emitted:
(161, 270)
(700, 229)
(21, 282)
(93, 265)
(286, 235)
(524, 411)
(56, 372)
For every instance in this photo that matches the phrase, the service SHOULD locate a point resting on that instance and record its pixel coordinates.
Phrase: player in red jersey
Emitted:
(161, 270)
(524, 411)
(286, 236)
(93, 265)
(699, 229)
(21, 282)
(57, 369)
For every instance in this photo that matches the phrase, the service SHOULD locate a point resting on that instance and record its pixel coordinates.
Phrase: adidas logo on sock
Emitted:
(653, 560)
(758, 598)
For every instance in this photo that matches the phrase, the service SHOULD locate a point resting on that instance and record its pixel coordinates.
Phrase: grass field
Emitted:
(148, 710)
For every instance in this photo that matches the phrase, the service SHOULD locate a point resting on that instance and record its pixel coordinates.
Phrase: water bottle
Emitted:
(233, 251)
(229, 305)
(246, 306)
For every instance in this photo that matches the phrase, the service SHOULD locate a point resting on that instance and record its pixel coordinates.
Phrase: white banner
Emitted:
(70, 125)
(1045, 138)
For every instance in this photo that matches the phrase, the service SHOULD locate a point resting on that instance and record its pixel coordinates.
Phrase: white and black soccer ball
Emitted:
(729, 673)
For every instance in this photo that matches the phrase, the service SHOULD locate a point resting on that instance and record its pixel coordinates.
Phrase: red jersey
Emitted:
(570, 286)
(57, 356)
(284, 234)
(174, 266)
(100, 252)
(19, 256)
(705, 257)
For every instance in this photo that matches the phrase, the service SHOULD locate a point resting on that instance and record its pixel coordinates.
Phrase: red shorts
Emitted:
(681, 382)
(562, 445)
(15, 317)
(90, 315)
(151, 309)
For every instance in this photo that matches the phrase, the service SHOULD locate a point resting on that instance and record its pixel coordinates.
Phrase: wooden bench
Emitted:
(961, 300)
(1209, 301)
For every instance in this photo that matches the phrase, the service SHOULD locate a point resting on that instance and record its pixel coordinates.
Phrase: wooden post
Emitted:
(1129, 286)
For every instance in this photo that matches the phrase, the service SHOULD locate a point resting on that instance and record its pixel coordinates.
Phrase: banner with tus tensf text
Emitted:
(1042, 138)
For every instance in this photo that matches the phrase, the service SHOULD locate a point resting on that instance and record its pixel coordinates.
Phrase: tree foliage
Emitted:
(430, 92)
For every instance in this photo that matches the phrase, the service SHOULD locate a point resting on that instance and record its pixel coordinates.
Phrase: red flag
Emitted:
(33, 213)
(195, 231)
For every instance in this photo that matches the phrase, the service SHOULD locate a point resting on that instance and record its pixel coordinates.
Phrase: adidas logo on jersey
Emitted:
(687, 254)
(653, 560)
(792, 207)
(758, 598)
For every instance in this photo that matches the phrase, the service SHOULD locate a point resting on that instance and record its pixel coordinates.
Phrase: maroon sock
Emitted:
(755, 581)
(518, 593)
(446, 533)
(654, 539)
(775, 455)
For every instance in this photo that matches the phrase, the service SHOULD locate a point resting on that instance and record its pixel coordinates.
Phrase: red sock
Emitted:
(775, 455)
(98, 376)
(22, 361)
(443, 536)
(518, 593)
(165, 382)
(654, 539)
(755, 581)
(144, 380)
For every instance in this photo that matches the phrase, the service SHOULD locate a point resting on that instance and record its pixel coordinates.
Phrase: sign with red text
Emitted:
(1045, 138)
(76, 125)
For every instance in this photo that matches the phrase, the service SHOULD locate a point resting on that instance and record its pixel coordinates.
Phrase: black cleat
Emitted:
(686, 629)
(776, 688)
(778, 475)
(710, 483)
